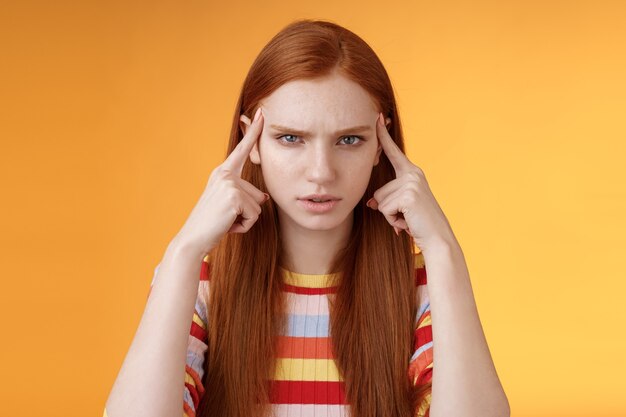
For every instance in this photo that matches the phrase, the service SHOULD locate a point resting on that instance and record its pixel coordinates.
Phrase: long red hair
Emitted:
(373, 313)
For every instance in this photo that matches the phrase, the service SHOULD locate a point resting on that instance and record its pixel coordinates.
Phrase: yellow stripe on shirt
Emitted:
(295, 369)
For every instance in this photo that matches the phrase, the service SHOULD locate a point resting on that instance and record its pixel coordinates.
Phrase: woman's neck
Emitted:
(307, 251)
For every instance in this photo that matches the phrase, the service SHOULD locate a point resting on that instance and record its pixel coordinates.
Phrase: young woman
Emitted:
(297, 267)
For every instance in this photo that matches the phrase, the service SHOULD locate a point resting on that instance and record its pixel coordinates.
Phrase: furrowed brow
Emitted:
(355, 129)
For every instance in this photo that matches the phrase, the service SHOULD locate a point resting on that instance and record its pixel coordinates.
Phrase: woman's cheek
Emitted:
(274, 164)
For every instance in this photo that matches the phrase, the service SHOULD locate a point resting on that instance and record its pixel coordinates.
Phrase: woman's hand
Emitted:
(407, 202)
(228, 203)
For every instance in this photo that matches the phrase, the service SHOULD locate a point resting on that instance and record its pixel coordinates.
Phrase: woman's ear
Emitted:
(244, 123)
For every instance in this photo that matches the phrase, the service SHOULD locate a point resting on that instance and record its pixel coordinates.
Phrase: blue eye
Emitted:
(359, 139)
(353, 143)
(286, 135)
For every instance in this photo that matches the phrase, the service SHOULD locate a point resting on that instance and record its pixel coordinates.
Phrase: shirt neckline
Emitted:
(310, 280)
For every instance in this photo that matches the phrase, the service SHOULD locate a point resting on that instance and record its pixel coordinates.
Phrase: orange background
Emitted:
(114, 113)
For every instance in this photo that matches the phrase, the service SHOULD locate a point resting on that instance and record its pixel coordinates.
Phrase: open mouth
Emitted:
(318, 206)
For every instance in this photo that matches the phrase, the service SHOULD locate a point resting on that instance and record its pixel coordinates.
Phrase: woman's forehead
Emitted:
(336, 95)
(305, 108)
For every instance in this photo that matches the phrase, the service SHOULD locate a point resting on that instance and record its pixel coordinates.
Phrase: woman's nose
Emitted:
(320, 166)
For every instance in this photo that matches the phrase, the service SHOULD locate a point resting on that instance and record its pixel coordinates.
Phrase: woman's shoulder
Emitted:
(418, 258)
(420, 269)
(205, 271)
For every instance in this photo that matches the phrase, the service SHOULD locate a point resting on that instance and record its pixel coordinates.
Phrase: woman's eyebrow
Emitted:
(355, 129)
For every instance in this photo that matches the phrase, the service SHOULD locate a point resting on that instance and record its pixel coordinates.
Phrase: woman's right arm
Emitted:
(151, 380)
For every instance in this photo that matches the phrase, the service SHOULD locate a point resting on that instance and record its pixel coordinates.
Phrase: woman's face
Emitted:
(318, 137)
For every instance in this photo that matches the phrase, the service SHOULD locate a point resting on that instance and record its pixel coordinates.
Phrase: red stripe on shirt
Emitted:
(304, 347)
(309, 291)
(198, 332)
(420, 276)
(307, 392)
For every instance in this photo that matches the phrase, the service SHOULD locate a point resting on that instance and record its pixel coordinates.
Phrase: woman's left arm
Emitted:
(464, 378)
(464, 381)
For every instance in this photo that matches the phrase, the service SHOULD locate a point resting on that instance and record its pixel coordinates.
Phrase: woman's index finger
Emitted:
(239, 155)
(395, 155)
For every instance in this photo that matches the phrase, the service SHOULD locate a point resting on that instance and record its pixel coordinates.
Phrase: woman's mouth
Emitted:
(317, 205)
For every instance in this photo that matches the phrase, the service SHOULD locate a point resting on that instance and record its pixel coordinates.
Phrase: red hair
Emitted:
(373, 313)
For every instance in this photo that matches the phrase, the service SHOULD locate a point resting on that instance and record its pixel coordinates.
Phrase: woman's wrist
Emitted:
(178, 249)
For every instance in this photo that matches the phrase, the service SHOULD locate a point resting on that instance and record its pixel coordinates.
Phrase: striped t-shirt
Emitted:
(306, 382)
